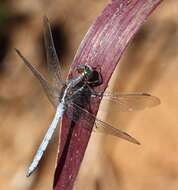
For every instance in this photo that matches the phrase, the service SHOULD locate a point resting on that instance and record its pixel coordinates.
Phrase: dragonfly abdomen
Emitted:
(59, 113)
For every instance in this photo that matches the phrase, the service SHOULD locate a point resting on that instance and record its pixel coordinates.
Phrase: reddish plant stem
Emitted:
(102, 47)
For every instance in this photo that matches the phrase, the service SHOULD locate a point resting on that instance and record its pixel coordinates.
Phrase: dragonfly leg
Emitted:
(99, 80)
(95, 93)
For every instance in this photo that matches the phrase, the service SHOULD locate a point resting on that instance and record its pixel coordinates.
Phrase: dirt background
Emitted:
(150, 64)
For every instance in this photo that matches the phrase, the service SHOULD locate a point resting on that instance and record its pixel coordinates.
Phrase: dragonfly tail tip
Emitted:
(29, 172)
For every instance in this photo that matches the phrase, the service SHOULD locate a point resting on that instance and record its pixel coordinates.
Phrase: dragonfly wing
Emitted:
(129, 101)
(102, 126)
(50, 91)
(79, 112)
(52, 59)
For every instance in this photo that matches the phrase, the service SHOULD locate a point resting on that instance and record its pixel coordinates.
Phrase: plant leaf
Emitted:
(102, 47)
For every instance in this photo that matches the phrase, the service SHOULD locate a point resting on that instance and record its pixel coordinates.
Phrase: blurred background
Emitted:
(150, 64)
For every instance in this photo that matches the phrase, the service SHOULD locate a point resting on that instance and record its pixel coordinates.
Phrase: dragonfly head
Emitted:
(92, 76)
(86, 71)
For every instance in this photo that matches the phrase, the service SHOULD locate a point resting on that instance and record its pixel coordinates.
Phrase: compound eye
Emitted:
(80, 69)
(88, 72)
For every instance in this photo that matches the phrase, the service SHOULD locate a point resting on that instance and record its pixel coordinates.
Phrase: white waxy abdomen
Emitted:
(59, 113)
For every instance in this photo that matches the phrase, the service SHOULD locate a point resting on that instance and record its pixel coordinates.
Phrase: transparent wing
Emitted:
(52, 59)
(108, 129)
(128, 101)
(51, 92)
(76, 112)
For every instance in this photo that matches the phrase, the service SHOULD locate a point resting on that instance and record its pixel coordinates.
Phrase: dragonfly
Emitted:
(74, 95)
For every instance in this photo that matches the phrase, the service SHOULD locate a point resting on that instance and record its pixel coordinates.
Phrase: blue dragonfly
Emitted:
(73, 96)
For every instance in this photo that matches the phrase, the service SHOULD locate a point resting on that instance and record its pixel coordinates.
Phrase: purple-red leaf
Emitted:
(102, 47)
